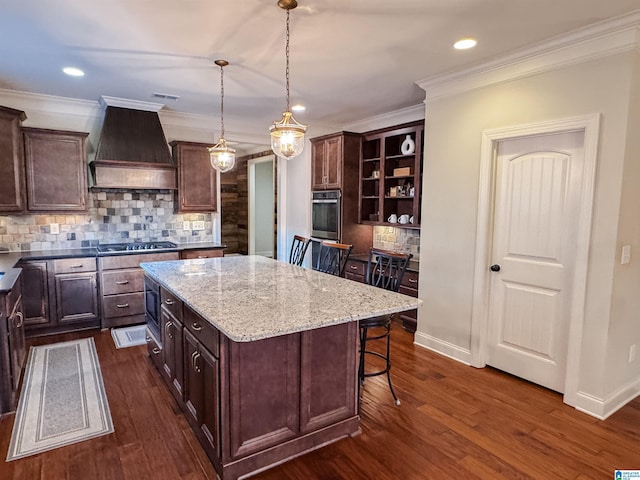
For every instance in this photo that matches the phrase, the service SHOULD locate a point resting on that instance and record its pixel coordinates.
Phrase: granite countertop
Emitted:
(8, 260)
(250, 298)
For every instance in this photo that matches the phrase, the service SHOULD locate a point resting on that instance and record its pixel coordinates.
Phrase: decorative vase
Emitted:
(408, 146)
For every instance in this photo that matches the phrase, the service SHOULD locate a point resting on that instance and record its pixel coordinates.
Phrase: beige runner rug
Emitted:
(63, 400)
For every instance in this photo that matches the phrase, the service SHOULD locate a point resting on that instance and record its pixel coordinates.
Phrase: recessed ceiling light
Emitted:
(465, 43)
(298, 107)
(73, 71)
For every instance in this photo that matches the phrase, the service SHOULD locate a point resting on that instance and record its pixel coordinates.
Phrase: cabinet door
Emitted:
(76, 297)
(197, 180)
(17, 347)
(35, 290)
(317, 165)
(333, 163)
(11, 161)
(201, 391)
(328, 389)
(56, 166)
(172, 352)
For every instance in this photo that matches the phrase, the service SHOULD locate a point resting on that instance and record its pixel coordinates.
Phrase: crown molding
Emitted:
(404, 115)
(50, 104)
(603, 39)
(129, 103)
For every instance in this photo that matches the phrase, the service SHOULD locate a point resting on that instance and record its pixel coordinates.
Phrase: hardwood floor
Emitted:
(454, 422)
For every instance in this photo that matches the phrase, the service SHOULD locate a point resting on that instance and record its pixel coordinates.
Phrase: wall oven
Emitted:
(325, 214)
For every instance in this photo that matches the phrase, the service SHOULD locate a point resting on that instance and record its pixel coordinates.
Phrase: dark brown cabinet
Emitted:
(12, 186)
(12, 346)
(335, 161)
(201, 393)
(122, 286)
(391, 175)
(171, 333)
(356, 269)
(56, 170)
(326, 162)
(35, 300)
(201, 253)
(197, 179)
(60, 295)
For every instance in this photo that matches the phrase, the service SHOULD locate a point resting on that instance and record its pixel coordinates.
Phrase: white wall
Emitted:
(454, 125)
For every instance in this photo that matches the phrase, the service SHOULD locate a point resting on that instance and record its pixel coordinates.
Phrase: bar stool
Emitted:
(333, 258)
(384, 270)
(298, 249)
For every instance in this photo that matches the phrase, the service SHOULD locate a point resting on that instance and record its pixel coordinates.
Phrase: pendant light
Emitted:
(223, 158)
(287, 135)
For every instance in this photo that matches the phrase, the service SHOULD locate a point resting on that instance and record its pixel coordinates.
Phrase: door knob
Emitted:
(495, 268)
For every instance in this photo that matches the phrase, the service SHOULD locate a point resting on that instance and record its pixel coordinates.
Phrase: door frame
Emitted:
(251, 182)
(590, 125)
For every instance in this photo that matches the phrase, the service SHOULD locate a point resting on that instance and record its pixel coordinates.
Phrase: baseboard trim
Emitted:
(604, 408)
(442, 347)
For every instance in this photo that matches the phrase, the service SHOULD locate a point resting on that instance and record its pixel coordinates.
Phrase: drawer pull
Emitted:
(122, 282)
(155, 351)
(79, 265)
(123, 305)
(168, 301)
(21, 317)
(202, 256)
(353, 267)
(196, 326)
(167, 328)
(148, 339)
(413, 280)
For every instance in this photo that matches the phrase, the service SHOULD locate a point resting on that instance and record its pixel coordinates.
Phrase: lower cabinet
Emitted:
(256, 404)
(201, 393)
(60, 295)
(355, 270)
(12, 347)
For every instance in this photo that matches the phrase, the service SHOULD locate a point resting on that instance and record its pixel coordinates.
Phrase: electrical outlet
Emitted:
(625, 256)
(186, 225)
(632, 353)
(198, 225)
(54, 228)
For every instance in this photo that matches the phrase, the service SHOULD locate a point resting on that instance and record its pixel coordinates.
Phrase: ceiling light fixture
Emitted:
(73, 71)
(465, 43)
(298, 107)
(223, 158)
(287, 135)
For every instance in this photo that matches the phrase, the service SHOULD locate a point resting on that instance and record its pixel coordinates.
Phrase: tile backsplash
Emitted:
(114, 216)
(398, 240)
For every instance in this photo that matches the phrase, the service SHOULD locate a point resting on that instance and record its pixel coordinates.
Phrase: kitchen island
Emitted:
(261, 355)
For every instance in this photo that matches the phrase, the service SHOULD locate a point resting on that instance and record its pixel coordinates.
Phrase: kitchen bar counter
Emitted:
(261, 355)
(250, 298)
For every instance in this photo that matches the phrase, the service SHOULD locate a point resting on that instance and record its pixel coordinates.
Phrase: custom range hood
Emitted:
(132, 151)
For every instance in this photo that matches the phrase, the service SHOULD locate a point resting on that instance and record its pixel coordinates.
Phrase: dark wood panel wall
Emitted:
(234, 197)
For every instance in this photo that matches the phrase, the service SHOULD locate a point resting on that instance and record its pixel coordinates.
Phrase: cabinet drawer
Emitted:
(206, 333)
(74, 265)
(132, 261)
(123, 305)
(412, 292)
(211, 253)
(355, 267)
(154, 349)
(122, 281)
(410, 279)
(354, 277)
(171, 303)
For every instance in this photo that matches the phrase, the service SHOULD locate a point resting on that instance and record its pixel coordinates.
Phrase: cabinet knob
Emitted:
(155, 351)
(196, 326)
(168, 301)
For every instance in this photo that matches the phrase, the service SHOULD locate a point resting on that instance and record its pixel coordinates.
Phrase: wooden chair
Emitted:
(298, 249)
(384, 270)
(332, 258)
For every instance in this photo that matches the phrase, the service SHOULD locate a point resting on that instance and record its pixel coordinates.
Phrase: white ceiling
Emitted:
(350, 60)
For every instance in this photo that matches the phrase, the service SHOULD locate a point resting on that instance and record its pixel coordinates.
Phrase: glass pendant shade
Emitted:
(223, 158)
(287, 136)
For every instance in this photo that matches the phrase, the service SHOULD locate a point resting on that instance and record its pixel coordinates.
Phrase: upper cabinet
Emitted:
(56, 170)
(391, 176)
(330, 155)
(197, 179)
(12, 196)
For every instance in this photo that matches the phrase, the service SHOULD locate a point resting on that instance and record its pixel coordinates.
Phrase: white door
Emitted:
(538, 189)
